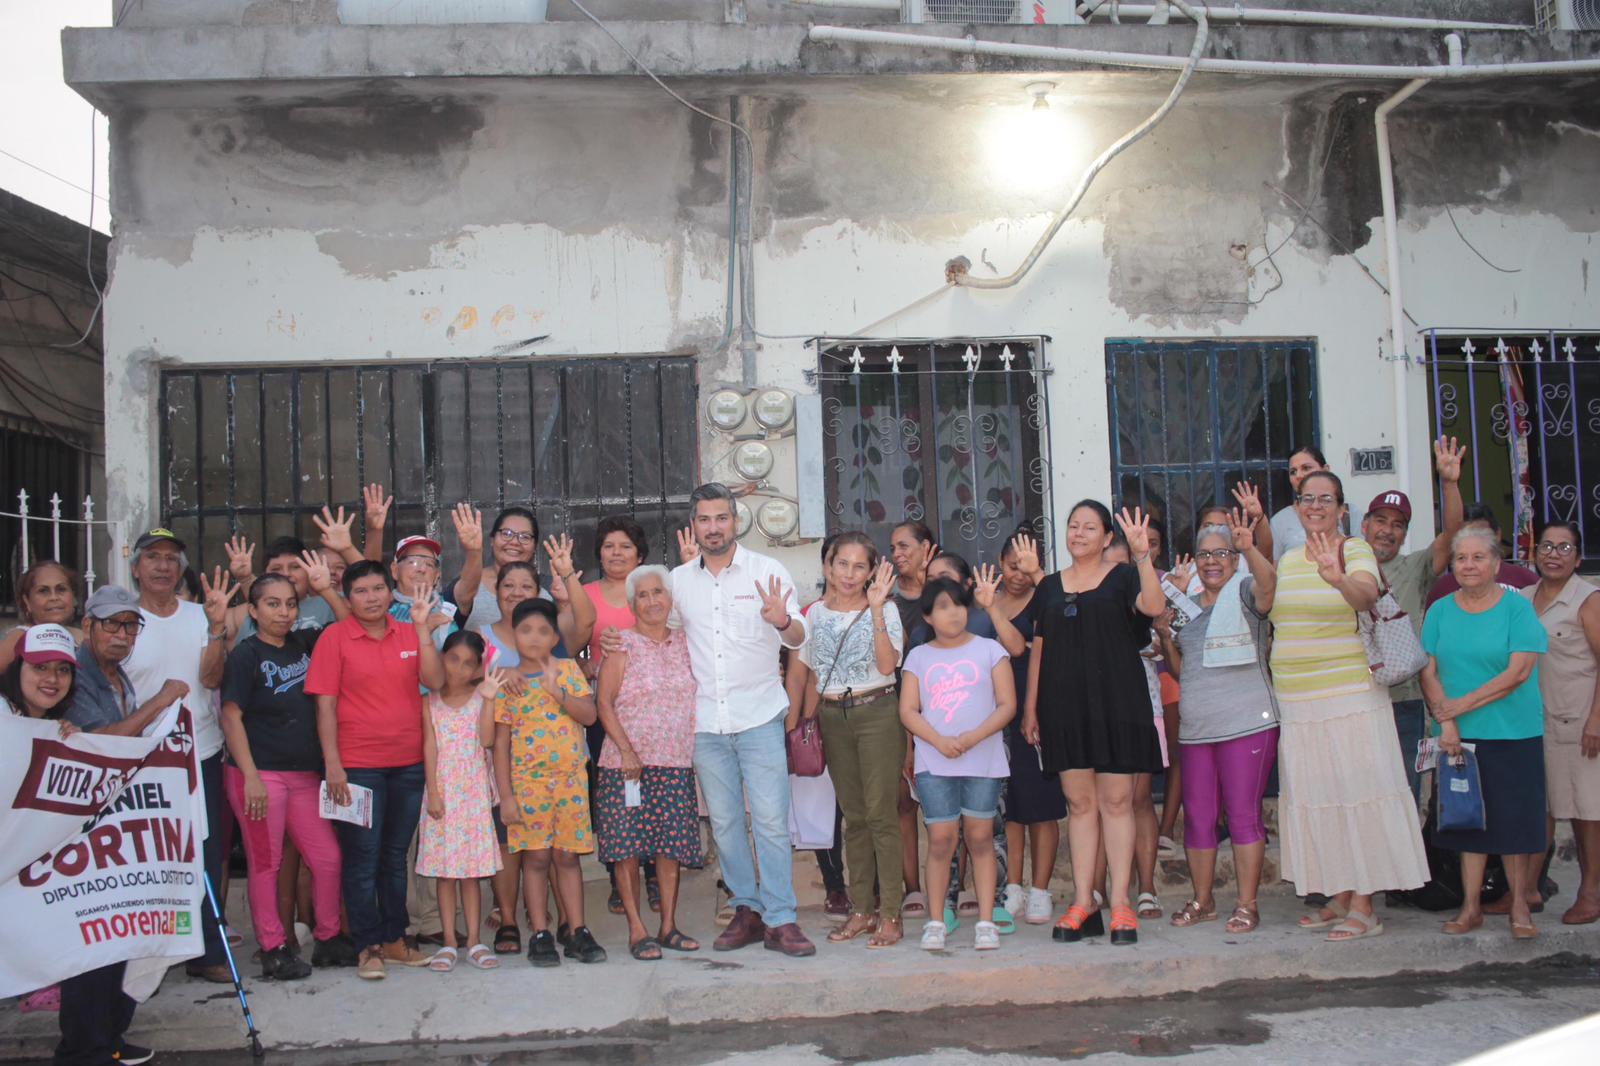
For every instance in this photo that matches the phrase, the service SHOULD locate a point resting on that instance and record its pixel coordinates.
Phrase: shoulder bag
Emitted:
(1394, 654)
(804, 741)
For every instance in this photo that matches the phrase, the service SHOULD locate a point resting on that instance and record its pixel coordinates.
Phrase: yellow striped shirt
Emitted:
(1316, 648)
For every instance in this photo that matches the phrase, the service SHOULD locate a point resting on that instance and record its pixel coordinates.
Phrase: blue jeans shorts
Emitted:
(944, 799)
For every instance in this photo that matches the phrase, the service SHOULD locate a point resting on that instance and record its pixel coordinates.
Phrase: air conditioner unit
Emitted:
(1567, 14)
(993, 12)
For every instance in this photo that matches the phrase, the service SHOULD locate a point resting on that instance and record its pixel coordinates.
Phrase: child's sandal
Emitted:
(508, 940)
(443, 961)
(481, 957)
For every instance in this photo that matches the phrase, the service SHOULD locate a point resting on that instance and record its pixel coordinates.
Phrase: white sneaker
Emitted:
(986, 936)
(1014, 899)
(1039, 906)
(933, 936)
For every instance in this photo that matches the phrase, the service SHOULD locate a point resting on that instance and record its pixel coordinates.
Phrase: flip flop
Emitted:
(676, 941)
(1004, 921)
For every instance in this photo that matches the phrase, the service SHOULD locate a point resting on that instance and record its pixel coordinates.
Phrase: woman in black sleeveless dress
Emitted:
(1088, 706)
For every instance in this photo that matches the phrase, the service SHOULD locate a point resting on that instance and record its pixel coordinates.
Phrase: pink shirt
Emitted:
(605, 617)
(656, 702)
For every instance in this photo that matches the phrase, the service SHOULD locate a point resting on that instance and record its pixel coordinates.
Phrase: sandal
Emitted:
(1124, 926)
(443, 961)
(1245, 918)
(890, 932)
(492, 919)
(614, 901)
(508, 940)
(966, 905)
(951, 922)
(1320, 919)
(857, 925)
(1004, 921)
(915, 905)
(1356, 926)
(481, 957)
(1193, 914)
(652, 891)
(1149, 906)
(676, 941)
(645, 949)
(1078, 923)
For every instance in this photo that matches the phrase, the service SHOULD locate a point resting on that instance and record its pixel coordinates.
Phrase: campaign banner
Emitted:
(100, 852)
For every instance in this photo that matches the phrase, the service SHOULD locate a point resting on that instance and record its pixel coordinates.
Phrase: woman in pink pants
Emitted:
(1228, 717)
(274, 772)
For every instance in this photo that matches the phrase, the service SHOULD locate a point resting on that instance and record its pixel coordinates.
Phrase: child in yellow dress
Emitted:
(541, 768)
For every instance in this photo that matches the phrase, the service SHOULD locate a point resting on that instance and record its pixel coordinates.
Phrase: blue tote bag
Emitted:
(1460, 793)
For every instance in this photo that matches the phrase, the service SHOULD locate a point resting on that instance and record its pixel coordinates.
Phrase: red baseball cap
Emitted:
(1393, 500)
(49, 643)
(411, 542)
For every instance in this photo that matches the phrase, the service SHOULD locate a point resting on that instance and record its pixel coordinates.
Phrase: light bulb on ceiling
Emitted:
(1040, 91)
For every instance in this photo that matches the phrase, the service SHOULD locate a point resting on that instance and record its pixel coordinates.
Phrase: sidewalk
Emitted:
(333, 1007)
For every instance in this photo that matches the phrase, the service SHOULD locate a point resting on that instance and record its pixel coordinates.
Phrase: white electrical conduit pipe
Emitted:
(862, 5)
(1147, 61)
(1397, 324)
(1221, 13)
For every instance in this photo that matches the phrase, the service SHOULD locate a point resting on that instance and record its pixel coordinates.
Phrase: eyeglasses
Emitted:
(1550, 548)
(129, 626)
(420, 562)
(515, 536)
(1071, 608)
(1317, 500)
(1221, 555)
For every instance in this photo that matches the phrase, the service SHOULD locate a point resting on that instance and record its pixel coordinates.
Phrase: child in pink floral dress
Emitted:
(457, 843)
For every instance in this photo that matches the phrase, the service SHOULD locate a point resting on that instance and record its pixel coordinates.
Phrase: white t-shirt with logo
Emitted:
(170, 649)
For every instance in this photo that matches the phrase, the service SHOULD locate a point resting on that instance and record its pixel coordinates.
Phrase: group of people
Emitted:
(489, 731)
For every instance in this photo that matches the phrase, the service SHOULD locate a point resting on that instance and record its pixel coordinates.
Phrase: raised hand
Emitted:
(317, 575)
(1026, 551)
(882, 586)
(424, 608)
(923, 560)
(688, 550)
(1182, 572)
(1326, 551)
(559, 549)
(774, 608)
(1447, 457)
(469, 527)
(1243, 530)
(1136, 528)
(376, 505)
(493, 681)
(1249, 498)
(239, 552)
(335, 529)
(986, 582)
(215, 595)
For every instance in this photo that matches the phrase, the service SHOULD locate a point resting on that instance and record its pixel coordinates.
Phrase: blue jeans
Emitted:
(375, 857)
(753, 764)
(1411, 725)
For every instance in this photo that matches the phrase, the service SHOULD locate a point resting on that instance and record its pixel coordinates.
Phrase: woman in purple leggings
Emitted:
(1228, 717)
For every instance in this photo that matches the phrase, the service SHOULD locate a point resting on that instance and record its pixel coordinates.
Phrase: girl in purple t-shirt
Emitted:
(956, 695)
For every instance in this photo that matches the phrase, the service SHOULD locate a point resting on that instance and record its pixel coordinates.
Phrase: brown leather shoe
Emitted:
(403, 954)
(746, 928)
(217, 975)
(789, 940)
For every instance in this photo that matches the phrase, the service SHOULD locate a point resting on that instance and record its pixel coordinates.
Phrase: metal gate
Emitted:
(259, 450)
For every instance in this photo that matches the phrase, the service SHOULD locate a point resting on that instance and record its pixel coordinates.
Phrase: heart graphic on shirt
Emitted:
(947, 686)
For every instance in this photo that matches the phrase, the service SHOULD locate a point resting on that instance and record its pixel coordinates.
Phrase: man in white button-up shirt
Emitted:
(736, 608)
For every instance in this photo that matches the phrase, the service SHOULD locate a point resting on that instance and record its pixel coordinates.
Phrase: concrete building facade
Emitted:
(493, 260)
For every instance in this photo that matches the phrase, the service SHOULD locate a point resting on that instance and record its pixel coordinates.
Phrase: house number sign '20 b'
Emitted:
(1371, 460)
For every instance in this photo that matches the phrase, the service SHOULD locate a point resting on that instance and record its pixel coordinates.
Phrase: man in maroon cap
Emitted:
(1409, 577)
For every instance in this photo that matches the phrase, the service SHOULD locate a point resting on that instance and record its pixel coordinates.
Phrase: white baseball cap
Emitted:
(49, 643)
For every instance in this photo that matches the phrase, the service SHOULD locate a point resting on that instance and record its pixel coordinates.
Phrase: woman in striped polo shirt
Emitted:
(1348, 825)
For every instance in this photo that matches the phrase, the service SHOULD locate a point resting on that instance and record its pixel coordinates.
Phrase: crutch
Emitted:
(256, 1050)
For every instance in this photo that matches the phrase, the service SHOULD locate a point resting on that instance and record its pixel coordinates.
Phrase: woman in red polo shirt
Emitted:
(365, 673)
